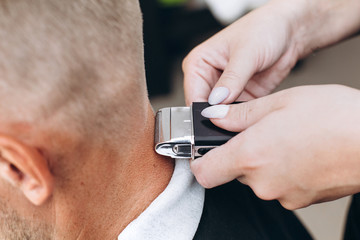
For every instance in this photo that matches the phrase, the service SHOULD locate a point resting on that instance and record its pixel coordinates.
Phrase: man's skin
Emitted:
(99, 203)
(77, 157)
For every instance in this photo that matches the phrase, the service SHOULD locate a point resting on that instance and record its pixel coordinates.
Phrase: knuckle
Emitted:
(238, 165)
(201, 176)
(185, 62)
(289, 205)
(264, 192)
(202, 180)
(250, 156)
(231, 75)
(238, 116)
(283, 98)
(244, 113)
(191, 58)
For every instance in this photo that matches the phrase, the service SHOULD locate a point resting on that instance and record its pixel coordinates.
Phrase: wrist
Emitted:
(321, 23)
(298, 16)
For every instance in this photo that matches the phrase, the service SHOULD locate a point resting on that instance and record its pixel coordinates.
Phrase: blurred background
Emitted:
(173, 27)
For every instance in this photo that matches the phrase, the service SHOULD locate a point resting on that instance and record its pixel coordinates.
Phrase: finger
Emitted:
(198, 83)
(202, 68)
(238, 117)
(261, 84)
(196, 91)
(240, 68)
(245, 96)
(266, 81)
(218, 166)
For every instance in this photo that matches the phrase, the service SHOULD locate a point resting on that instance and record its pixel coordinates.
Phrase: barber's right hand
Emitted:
(251, 57)
(299, 146)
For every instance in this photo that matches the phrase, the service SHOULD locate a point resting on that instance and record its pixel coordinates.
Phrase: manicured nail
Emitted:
(218, 95)
(218, 111)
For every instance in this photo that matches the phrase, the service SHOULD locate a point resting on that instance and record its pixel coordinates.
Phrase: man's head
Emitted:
(72, 99)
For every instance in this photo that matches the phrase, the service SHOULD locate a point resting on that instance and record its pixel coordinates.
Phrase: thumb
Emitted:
(238, 117)
(240, 68)
(220, 165)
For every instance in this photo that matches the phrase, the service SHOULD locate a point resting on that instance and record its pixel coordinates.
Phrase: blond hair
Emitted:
(73, 62)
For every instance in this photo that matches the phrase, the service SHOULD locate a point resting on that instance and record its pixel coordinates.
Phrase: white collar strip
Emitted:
(175, 214)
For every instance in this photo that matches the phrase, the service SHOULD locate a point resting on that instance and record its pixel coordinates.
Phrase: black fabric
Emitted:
(352, 230)
(232, 211)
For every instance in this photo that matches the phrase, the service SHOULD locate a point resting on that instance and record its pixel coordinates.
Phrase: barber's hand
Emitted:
(257, 48)
(252, 56)
(300, 146)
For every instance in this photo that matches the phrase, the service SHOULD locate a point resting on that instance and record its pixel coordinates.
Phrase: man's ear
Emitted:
(25, 168)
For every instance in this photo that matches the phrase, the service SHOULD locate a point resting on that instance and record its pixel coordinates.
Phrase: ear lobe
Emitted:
(25, 168)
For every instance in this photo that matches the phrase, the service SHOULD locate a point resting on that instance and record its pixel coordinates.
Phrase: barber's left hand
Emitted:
(300, 146)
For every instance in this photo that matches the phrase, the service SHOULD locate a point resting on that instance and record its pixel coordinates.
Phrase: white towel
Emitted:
(227, 11)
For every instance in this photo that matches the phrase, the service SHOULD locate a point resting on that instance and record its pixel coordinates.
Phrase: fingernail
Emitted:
(218, 111)
(218, 95)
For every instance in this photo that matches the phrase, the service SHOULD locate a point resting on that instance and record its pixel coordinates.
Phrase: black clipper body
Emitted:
(182, 132)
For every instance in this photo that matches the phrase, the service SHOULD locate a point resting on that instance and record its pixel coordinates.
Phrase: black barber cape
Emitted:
(232, 211)
(352, 230)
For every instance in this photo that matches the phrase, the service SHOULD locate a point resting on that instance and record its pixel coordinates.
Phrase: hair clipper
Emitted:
(182, 132)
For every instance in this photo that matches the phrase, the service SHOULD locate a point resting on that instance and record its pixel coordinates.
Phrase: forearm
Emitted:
(325, 22)
(316, 24)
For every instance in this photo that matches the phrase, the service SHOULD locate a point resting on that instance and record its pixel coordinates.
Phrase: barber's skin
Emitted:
(298, 146)
(218, 95)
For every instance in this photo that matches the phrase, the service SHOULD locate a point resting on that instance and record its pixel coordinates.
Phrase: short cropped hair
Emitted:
(76, 61)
